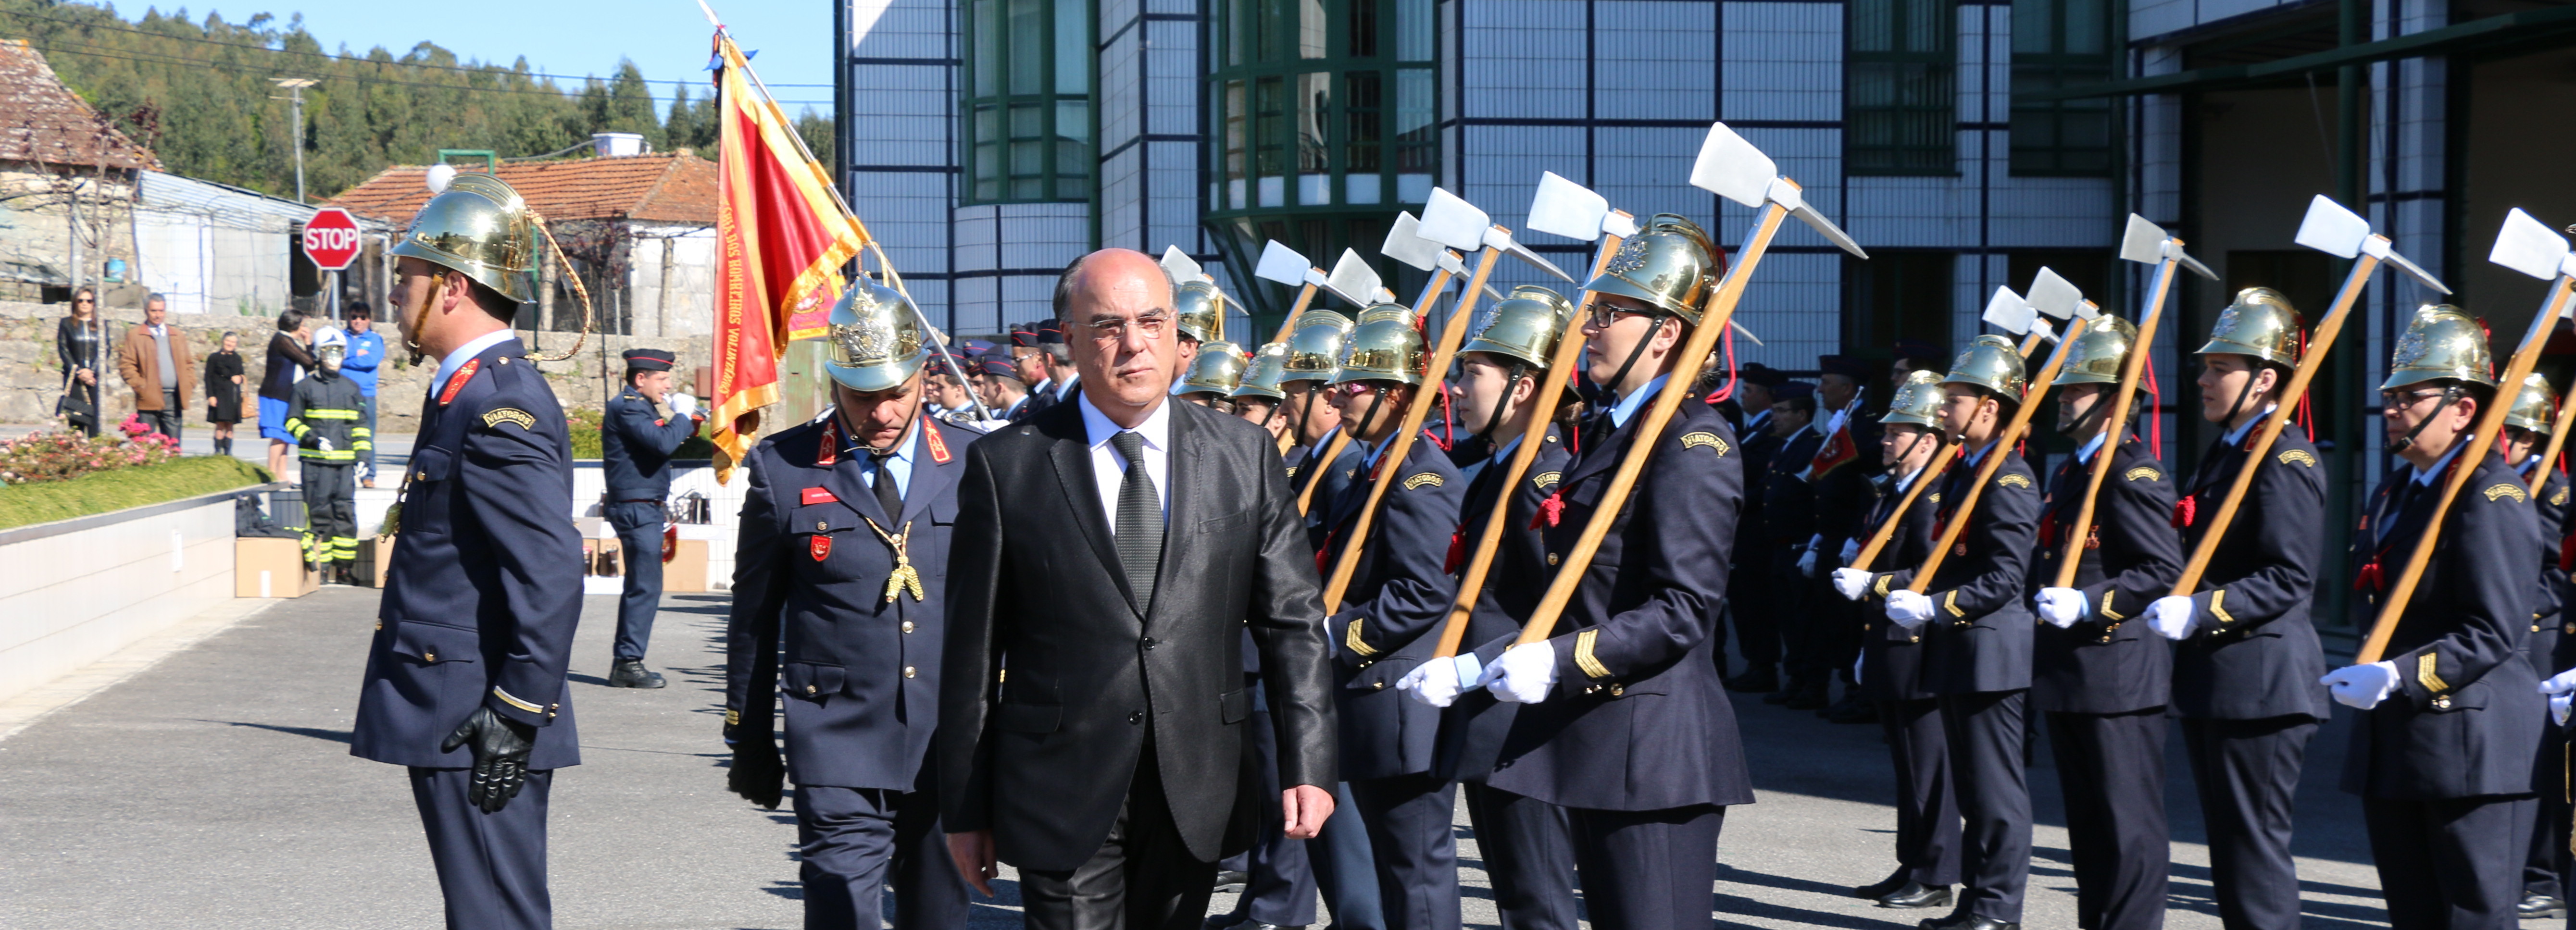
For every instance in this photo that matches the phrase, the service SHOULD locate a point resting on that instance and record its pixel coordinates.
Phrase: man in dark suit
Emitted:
(845, 530)
(635, 457)
(465, 677)
(1144, 537)
(2245, 670)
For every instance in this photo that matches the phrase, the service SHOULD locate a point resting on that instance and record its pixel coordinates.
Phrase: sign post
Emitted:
(331, 243)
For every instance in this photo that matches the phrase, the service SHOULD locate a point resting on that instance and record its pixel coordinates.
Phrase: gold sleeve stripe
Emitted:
(1951, 601)
(2218, 606)
(2424, 672)
(1583, 657)
(733, 718)
(1352, 639)
(1546, 478)
(2107, 612)
(1881, 588)
(506, 698)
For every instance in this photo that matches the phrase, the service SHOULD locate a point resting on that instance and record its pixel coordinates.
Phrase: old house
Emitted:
(68, 185)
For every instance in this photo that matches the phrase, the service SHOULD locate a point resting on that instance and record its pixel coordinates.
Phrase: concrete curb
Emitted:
(35, 704)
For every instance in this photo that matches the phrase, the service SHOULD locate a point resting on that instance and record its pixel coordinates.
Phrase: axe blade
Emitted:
(1404, 243)
(1741, 331)
(2143, 242)
(1807, 213)
(2189, 262)
(1281, 264)
(1500, 238)
(1564, 208)
(1181, 266)
(2009, 312)
(2054, 295)
(2331, 229)
(1453, 222)
(1353, 280)
(2420, 275)
(2529, 246)
(1732, 168)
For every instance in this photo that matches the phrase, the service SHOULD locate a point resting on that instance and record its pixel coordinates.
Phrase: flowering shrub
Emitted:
(61, 455)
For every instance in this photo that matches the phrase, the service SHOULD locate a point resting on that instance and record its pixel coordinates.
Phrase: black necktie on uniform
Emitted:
(1140, 520)
(889, 497)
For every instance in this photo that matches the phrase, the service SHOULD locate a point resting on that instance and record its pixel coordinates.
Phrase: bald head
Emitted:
(1116, 305)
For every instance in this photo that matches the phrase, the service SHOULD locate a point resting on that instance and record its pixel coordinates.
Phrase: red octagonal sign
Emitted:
(331, 238)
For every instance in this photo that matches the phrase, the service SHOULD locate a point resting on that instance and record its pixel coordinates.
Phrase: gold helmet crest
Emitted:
(479, 226)
(1525, 326)
(2440, 342)
(1671, 265)
(1385, 347)
(1994, 363)
(2261, 323)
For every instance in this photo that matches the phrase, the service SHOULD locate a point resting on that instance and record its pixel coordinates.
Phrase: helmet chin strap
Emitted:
(1494, 419)
(1654, 326)
(413, 321)
(1304, 411)
(1368, 418)
(2450, 395)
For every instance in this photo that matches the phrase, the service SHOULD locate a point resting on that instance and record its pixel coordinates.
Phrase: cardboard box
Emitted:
(375, 558)
(272, 568)
(686, 573)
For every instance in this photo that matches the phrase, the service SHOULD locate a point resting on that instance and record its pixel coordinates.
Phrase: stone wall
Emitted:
(31, 378)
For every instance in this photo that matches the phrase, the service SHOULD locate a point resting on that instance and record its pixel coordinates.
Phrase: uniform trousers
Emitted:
(1527, 854)
(1838, 636)
(1756, 619)
(1345, 870)
(856, 841)
(1792, 605)
(2440, 867)
(639, 535)
(331, 512)
(1409, 821)
(2247, 772)
(1648, 870)
(1987, 732)
(1279, 884)
(491, 867)
(2544, 870)
(1927, 799)
(2111, 769)
(1143, 876)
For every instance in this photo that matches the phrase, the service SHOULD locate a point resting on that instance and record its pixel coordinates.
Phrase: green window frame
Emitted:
(1321, 104)
(1027, 127)
(1901, 88)
(2062, 43)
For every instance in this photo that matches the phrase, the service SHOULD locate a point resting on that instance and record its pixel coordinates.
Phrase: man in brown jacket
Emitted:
(158, 365)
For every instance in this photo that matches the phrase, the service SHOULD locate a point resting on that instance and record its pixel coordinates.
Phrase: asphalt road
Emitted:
(215, 789)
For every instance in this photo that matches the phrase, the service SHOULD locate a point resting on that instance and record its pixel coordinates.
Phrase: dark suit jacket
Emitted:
(860, 675)
(1891, 655)
(2466, 717)
(485, 590)
(2255, 653)
(1979, 638)
(1044, 757)
(1789, 501)
(1399, 591)
(2105, 664)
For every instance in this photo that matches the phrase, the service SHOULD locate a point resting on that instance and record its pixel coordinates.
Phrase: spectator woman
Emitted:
(290, 355)
(224, 391)
(77, 342)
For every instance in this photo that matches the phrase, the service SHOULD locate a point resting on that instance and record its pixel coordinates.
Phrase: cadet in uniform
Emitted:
(1212, 376)
(1891, 661)
(1844, 495)
(1789, 522)
(327, 417)
(1056, 360)
(2101, 682)
(1314, 357)
(1256, 395)
(1628, 727)
(1976, 629)
(1749, 604)
(635, 456)
(2526, 428)
(843, 553)
(1199, 317)
(465, 677)
(2244, 681)
(997, 382)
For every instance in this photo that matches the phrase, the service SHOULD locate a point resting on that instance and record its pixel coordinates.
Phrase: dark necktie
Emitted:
(1140, 521)
(889, 496)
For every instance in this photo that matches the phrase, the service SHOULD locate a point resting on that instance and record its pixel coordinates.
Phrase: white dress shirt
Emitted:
(1109, 469)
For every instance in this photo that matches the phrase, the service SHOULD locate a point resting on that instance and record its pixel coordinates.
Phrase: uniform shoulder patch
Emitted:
(2560, 498)
(1704, 438)
(2504, 490)
(493, 418)
(2012, 481)
(2143, 473)
(2297, 457)
(1426, 478)
(1546, 478)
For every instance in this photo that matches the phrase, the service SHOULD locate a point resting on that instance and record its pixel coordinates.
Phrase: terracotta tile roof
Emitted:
(673, 188)
(43, 121)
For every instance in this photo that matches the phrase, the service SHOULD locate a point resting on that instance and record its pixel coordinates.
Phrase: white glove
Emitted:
(2361, 686)
(2561, 688)
(2558, 707)
(1524, 673)
(682, 404)
(1908, 608)
(323, 444)
(2061, 607)
(1438, 681)
(1807, 564)
(2173, 617)
(1851, 582)
(1851, 550)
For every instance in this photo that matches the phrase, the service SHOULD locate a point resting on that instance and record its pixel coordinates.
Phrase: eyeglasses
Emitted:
(1113, 329)
(2401, 400)
(1604, 314)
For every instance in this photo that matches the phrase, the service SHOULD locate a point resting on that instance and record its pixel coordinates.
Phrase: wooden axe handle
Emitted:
(1305, 296)
(2002, 449)
(2030, 343)
(1332, 451)
(1887, 531)
(2116, 425)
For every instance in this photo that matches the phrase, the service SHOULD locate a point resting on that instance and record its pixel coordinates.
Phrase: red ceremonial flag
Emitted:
(782, 239)
(1838, 448)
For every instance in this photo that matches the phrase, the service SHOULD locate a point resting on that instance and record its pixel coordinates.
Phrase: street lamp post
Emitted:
(295, 88)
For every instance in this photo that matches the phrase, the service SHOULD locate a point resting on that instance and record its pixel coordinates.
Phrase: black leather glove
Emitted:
(757, 774)
(501, 747)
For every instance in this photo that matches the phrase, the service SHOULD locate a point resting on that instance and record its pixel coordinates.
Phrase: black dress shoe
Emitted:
(1882, 887)
(1966, 922)
(2540, 906)
(631, 673)
(1916, 895)
(1223, 921)
(1231, 881)
(1754, 681)
(1811, 697)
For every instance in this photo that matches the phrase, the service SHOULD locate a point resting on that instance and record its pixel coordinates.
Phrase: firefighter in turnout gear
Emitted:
(327, 417)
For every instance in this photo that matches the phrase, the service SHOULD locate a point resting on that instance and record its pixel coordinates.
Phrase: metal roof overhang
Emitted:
(2556, 23)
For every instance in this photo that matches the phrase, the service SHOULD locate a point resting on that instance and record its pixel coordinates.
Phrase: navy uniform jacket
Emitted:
(635, 447)
(1758, 449)
(1788, 501)
(1638, 720)
(2105, 664)
(1979, 638)
(1845, 495)
(1891, 655)
(485, 589)
(2556, 519)
(861, 675)
(2466, 718)
(1401, 590)
(1041, 397)
(1335, 477)
(2255, 653)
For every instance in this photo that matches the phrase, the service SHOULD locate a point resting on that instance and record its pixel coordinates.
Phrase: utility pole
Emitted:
(295, 87)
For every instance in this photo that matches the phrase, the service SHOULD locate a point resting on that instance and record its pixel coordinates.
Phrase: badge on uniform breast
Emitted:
(812, 496)
(820, 544)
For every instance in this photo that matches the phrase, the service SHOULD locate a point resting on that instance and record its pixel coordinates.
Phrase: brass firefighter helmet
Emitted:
(1918, 400)
(2099, 354)
(1671, 265)
(2261, 323)
(2535, 407)
(2440, 342)
(1200, 309)
(1524, 327)
(1992, 362)
(1315, 349)
(1261, 375)
(1217, 369)
(481, 227)
(1385, 347)
(876, 338)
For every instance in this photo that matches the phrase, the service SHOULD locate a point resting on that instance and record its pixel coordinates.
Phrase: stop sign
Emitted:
(331, 239)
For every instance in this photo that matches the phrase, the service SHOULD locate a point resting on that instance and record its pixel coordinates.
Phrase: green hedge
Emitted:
(102, 492)
(584, 425)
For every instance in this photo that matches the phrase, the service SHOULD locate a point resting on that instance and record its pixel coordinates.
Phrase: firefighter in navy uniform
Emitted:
(327, 417)
(1627, 726)
(1750, 608)
(2526, 429)
(1306, 376)
(838, 589)
(2245, 669)
(2101, 682)
(635, 449)
(465, 678)
(1891, 660)
(2442, 755)
(1845, 493)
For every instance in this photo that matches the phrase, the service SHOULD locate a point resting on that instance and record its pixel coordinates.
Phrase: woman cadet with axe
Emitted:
(2442, 754)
